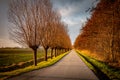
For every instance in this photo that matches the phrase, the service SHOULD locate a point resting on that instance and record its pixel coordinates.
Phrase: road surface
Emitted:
(71, 67)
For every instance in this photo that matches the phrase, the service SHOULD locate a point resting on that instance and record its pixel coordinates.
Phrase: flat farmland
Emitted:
(14, 56)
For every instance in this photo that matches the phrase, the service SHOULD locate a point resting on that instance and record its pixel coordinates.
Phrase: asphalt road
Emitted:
(71, 67)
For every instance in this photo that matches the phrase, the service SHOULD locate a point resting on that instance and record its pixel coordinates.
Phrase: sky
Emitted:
(73, 13)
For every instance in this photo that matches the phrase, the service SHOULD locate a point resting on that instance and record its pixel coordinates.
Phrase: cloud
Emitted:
(73, 21)
(72, 7)
(8, 43)
(67, 7)
(73, 11)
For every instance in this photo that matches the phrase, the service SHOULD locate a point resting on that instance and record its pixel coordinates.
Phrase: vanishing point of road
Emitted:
(71, 67)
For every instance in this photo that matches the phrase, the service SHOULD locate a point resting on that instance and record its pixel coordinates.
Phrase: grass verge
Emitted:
(5, 75)
(101, 69)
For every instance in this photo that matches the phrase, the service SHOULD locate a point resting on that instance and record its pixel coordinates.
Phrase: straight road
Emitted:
(71, 67)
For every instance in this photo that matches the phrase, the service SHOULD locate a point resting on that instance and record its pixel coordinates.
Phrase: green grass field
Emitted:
(14, 56)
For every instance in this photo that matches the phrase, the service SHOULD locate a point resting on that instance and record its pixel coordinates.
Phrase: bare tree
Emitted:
(27, 17)
(50, 17)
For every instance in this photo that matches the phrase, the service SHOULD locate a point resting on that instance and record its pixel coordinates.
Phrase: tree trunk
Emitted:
(35, 57)
(55, 52)
(51, 53)
(113, 37)
(46, 54)
(62, 50)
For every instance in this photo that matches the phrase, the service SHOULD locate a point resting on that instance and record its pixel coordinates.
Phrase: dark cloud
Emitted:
(73, 7)
(3, 18)
(64, 3)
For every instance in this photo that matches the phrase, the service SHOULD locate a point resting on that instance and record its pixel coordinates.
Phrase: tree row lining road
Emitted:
(71, 67)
